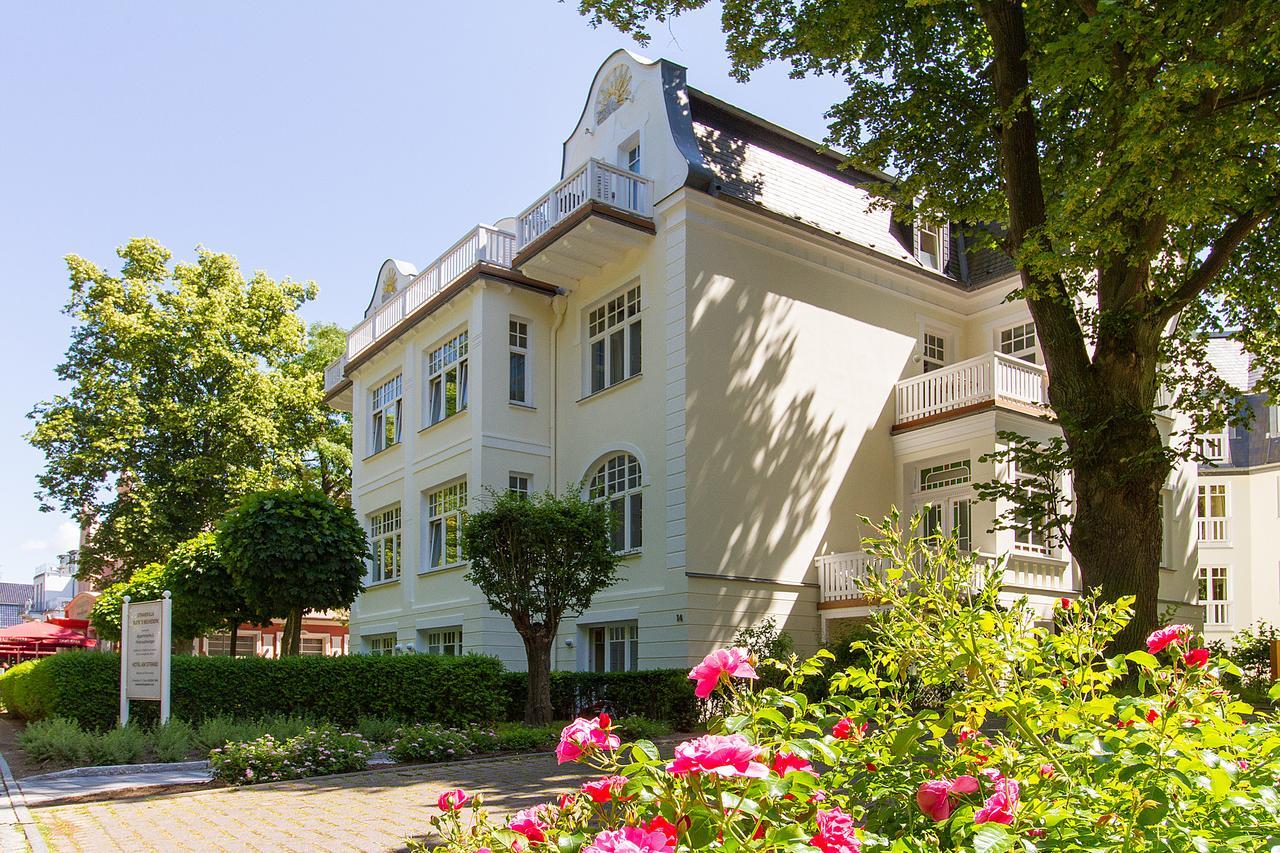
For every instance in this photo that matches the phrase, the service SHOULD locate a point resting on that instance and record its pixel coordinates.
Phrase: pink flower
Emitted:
(666, 827)
(1169, 635)
(835, 833)
(846, 728)
(1001, 805)
(605, 788)
(731, 755)
(583, 736)
(451, 801)
(566, 801)
(1196, 658)
(1047, 771)
(934, 796)
(721, 665)
(785, 762)
(529, 823)
(631, 839)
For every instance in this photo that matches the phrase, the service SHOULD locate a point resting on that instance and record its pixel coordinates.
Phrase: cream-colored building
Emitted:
(706, 322)
(1238, 508)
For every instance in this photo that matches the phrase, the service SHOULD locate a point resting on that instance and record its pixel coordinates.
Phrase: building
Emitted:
(15, 598)
(1238, 507)
(322, 634)
(706, 322)
(54, 587)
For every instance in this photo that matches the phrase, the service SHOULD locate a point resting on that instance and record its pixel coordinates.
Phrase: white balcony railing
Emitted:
(1213, 530)
(841, 576)
(483, 244)
(594, 180)
(994, 376)
(1217, 613)
(334, 372)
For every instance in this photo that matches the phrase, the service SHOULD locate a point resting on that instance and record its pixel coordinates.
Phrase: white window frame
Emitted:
(1217, 610)
(443, 641)
(519, 352)
(386, 540)
(616, 319)
(1213, 529)
(623, 635)
(1166, 519)
(444, 363)
(618, 479)
(323, 639)
(386, 415)
(246, 644)
(445, 505)
(944, 498)
(940, 233)
(1027, 540)
(1019, 340)
(381, 644)
(1214, 446)
(520, 483)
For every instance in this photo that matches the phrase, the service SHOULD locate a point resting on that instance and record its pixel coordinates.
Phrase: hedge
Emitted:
(84, 686)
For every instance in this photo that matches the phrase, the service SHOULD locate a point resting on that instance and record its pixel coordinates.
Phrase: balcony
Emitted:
(1217, 614)
(588, 220)
(994, 379)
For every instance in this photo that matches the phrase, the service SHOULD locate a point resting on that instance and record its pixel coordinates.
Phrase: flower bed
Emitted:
(315, 752)
(1171, 762)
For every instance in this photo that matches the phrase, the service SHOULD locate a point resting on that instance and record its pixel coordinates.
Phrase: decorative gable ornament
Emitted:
(614, 92)
(389, 283)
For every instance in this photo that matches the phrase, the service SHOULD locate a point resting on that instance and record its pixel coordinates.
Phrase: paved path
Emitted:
(68, 784)
(371, 811)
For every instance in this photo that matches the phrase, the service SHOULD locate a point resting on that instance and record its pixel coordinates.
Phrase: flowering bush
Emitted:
(432, 742)
(314, 752)
(1046, 742)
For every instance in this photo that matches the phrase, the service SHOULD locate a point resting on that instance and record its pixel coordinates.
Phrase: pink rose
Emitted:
(583, 736)
(1196, 658)
(731, 755)
(529, 823)
(566, 801)
(1169, 635)
(451, 801)
(605, 788)
(631, 839)
(1001, 805)
(785, 762)
(721, 665)
(666, 827)
(846, 728)
(835, 833)
(1047, 771)
(934, 796)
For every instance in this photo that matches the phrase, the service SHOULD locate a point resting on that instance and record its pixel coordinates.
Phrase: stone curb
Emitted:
(119, 770)
(35, 841)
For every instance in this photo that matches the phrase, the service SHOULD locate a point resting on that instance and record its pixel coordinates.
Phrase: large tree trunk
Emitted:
(291, 637)
(537, 709)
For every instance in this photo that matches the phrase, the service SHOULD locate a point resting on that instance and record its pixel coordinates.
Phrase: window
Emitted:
(1165, 523)
(631, 158)
(1215, 591)
(313, 646)
(447, 379)
(384, 541)
(219, 645)
(615, 648)
(386, 414)
(518, 360)
(446, 511)
(934, 351)
(383, 644)
(1212, 446)
(613, 333)
(1020, 342)
(518, 483)
(941, 476)
(1273, 421)
(1028, 535)
(617, 481)
(446, 641)
(930, 240)
(1211, 512)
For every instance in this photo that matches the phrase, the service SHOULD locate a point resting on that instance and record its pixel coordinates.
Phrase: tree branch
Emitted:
(1220, 252)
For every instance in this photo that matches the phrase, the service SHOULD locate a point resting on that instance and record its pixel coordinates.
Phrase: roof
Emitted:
(16, 593)
(1231, 361)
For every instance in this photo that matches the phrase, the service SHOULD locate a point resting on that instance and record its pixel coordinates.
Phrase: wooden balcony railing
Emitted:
(594, 180)
(994, 376)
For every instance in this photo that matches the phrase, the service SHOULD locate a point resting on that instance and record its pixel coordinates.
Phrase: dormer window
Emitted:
(930, 240)
(631, 158)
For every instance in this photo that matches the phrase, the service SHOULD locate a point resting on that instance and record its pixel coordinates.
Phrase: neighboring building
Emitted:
(322, 634)
(54, 587)
(1238, 507)
(706, 323)
(14, 600)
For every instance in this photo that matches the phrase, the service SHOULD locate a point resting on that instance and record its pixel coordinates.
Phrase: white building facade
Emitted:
(705, 323)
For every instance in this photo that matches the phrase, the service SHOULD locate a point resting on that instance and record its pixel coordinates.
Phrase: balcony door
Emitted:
(949, 515)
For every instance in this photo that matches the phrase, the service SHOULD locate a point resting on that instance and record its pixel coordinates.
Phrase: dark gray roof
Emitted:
(16, 593)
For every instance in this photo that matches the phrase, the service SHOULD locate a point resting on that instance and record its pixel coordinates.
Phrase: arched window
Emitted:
(617, 481)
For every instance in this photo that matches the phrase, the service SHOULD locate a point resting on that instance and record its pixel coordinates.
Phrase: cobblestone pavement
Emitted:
(372, 811)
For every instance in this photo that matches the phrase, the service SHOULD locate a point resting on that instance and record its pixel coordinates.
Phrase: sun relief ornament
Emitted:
(388, 284)
(614, 92)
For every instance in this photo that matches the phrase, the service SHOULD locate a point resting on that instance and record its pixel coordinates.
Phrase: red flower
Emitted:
(934, 797)
(566, 801)
(1196, 658)
(1065, 602)
(529, 823)
(583, 736)
(871, 768)
(1152, 715)
(1167, 636)
(1036, 833)
(666, 827)
(1001, 805)
(731, 755)
(784, 763)
(604, 789)
(846, 728)
(835, 833)
(451, 801)
(1047, 771)
(721, 665)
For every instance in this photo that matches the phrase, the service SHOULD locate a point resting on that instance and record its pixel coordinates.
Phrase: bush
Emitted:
(127, 745)
(314, 752)
(641, 728)
(430, 742)
(519, 737)
(658, 694)
(378, 730)
(56, 739)
(15, 690)
(174, 741)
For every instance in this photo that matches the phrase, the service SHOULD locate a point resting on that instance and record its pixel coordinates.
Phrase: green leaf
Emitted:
(1154, 809)
(1143, 659)
(992, 838)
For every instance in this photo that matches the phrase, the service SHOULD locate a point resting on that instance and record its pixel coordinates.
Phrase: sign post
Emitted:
(146, 637)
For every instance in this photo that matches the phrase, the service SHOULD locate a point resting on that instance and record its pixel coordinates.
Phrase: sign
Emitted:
(146, 641)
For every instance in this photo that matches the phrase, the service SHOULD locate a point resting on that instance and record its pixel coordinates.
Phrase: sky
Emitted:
(310, 140)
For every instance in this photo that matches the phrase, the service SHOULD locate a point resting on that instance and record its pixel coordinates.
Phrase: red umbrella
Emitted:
(42, 632)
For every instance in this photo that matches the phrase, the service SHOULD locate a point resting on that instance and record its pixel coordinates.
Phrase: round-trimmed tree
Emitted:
(291, 551)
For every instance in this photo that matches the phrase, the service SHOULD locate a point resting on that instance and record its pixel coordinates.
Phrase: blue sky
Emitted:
(312, 140)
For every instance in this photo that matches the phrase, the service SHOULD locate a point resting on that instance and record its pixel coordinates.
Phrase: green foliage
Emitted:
(186, 393)
(293, 550)
(1250, 650)
(174, 741)
(378, 730)
(766, 640)
(665, 695)
(56, 740)
(313, 752)
(642, 728)
(192, 615)
(522, 737)
(127, 745)
(430, 742)
(15, 690)
(328, 461)
(202, 584)
(451, 690)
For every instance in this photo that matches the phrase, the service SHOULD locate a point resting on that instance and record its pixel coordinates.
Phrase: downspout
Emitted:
(559, 305)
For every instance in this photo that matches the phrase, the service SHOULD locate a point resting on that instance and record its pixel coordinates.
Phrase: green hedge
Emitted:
(84, 686)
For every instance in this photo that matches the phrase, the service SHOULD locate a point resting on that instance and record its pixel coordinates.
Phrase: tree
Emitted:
(328, 460)
(291, 551)
(201, 581)
(537, 558)
(1123, 153)
(149, 583)
(190, 387)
